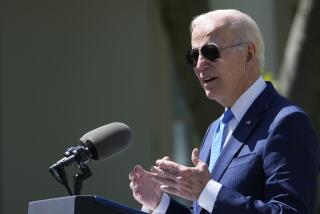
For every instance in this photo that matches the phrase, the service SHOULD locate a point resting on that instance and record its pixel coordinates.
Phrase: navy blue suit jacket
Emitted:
(270, 164)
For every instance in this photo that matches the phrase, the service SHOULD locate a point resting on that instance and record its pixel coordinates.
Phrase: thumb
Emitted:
(166, 158)
(195, 157)
(138, 170)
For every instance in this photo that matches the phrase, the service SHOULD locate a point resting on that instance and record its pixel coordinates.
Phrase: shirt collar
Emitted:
(241, 106)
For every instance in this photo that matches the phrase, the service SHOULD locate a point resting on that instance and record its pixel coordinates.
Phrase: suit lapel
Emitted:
(206, 146)
(243, 130)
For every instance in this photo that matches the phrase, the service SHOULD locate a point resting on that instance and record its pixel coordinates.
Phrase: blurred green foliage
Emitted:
(269, 76)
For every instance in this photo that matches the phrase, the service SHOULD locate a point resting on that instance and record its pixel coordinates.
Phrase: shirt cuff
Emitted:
(145, 209)
(208, 195)
(163, 205)
(161, 208)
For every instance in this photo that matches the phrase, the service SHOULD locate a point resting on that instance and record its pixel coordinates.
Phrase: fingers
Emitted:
(164, 173)
(165, 158)
(195, 157)
(152, 168)
(164, 181)
(131, 176)
(197, 162)
(169, 165)
(170, 190)
(184, 193)
(132, 186)
(138, 170)
(136, 173)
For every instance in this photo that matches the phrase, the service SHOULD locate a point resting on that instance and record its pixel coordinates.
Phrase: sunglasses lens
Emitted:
(210, 52)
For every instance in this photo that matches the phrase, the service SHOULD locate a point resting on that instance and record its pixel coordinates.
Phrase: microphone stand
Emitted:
(79, 178)
(60, 175)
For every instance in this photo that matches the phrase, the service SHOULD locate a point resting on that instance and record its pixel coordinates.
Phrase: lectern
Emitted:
(80, 204)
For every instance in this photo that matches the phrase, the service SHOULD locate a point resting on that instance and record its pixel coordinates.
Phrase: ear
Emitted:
(250, 54)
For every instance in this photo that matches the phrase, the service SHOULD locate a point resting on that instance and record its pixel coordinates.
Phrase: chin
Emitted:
(210, 95)
(215, 97)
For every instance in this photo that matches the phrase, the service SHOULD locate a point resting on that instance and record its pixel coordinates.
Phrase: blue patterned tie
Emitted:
(219, 138)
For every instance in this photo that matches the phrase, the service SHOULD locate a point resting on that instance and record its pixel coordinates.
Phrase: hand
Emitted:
(144, 189)
(183, 181)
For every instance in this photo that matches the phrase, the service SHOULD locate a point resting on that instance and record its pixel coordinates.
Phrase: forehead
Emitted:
(219, 34)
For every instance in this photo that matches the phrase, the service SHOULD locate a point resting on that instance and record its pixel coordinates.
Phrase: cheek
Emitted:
(236, 65)
(232, 75)
(196, 74)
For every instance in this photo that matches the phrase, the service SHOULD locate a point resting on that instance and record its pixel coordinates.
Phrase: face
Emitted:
(226, 78)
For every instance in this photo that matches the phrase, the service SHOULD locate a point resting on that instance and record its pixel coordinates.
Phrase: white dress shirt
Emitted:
(209, 194)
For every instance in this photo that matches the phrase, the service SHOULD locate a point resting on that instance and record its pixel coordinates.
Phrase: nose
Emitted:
(202, 63)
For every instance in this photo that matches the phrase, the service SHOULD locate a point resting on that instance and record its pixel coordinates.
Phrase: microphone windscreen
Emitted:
(108, 140)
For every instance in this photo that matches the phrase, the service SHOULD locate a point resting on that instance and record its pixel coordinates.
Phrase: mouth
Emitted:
(207, 80)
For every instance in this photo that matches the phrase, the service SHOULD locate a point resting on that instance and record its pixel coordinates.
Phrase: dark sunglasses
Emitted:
(210, 52)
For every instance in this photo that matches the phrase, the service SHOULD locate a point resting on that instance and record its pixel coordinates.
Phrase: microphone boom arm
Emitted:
(79, 156)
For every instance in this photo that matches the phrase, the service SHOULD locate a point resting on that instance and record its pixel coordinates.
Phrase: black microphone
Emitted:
(99, 144)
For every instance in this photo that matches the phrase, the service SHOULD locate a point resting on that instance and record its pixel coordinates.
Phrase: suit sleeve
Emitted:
(290, 163)
(175, 207)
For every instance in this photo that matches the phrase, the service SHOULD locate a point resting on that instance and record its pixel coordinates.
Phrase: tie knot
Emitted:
(227, 116)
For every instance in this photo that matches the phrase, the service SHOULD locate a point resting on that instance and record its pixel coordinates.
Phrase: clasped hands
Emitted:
(168, 176)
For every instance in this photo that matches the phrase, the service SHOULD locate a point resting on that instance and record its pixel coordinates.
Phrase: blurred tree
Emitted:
(299, 73)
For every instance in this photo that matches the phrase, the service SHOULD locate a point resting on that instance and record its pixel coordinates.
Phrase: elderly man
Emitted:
(260, 156)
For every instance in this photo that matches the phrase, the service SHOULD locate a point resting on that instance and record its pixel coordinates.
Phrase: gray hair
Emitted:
(242, 24)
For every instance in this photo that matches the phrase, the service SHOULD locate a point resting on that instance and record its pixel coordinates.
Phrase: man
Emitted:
(260, 156)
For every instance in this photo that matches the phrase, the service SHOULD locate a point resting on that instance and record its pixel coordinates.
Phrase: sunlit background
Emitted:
(70, 66)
